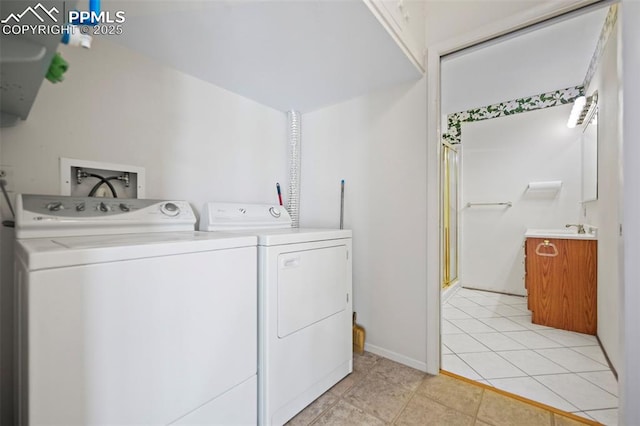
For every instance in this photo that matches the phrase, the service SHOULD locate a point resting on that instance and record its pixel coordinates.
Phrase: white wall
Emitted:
(197, 142)
(629, 372)
(377, 144)
(499, 158)
(605, 213)
(6, 312)
(6, 324)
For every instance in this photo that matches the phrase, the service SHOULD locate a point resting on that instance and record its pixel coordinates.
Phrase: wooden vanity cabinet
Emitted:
(561, 282)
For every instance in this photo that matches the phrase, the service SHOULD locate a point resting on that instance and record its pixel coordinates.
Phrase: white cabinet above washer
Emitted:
(300, 55)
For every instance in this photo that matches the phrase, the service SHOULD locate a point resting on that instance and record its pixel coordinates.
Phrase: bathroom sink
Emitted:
(563, 233)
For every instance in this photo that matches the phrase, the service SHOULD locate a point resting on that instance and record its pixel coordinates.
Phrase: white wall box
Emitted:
(76, 178)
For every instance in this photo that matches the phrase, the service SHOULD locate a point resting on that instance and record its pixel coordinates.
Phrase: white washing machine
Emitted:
(305, 306)
(128, 316)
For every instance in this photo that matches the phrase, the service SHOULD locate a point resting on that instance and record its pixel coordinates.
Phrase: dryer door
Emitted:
(311, 287)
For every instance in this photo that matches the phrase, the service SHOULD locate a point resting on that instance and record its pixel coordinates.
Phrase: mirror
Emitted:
(590, 154)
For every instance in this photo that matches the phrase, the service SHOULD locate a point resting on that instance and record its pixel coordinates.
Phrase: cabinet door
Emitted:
(561, 279)
(581, 290)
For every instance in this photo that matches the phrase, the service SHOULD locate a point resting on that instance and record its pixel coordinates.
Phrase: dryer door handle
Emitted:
(292, 262)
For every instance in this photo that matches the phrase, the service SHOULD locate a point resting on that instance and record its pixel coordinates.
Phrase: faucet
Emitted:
(580, 227)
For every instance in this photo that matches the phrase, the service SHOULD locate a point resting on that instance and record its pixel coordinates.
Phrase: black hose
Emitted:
(103, 180)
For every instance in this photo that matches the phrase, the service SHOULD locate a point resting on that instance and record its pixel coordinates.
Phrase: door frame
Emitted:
(435, 52)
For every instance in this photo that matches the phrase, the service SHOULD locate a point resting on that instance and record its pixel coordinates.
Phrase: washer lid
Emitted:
(275, 237)
(43, 253)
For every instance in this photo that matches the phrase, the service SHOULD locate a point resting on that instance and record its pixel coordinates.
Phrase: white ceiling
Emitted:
(447, 19)
(542, 60)
(298, 55)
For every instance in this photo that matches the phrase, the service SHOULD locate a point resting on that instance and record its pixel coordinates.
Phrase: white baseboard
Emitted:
(394, 356)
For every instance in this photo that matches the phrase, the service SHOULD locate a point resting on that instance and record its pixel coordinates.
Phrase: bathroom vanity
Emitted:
(561, 279)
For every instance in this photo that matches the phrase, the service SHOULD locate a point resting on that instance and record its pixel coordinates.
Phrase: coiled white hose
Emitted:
(293, 204)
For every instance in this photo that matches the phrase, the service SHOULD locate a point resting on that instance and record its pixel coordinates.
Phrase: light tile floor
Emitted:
(383, 392)
(489, 337)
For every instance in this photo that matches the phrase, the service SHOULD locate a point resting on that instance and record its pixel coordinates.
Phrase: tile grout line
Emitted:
(534, 350)
(473, 338)
(444, 404)
(475, 417)
(494, 352)
(586, 356)
(601, 409)
(507, 377)
(316, 418)
(593, 383)
(404, 406)
(533, 377)
(554, 392)
(526, 400)
(368, 374)
(472, 369)
(570, 371)
(564, 346)
(554, 340)
(341, 396)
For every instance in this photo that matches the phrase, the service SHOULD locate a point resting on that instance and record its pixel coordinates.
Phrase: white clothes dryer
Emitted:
(305, 305)
(129, 316)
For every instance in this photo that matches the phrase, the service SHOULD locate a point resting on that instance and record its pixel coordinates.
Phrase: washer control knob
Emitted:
(274, 212)
(103, 207)
(80, 207)
(170, 209)
(55, 206)
(124, 207)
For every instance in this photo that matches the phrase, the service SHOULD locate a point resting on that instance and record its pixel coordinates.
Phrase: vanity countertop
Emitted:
(567, 234)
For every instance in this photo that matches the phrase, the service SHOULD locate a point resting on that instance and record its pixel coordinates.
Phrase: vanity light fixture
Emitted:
(581, 108)
(578, 106)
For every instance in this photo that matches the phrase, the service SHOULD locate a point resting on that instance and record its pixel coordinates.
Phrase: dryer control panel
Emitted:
(237, 216)
(57, 215)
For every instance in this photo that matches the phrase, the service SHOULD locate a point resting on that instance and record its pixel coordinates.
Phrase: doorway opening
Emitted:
(487, 332)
